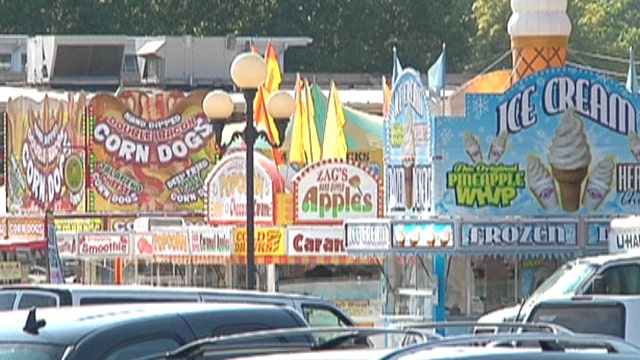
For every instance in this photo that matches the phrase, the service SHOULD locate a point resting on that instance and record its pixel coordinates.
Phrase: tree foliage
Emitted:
(348, 35)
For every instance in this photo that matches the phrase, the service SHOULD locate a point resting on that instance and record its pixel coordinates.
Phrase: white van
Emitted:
(599, 314)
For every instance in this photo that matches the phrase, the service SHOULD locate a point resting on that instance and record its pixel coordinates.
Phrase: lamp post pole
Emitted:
(250, 139)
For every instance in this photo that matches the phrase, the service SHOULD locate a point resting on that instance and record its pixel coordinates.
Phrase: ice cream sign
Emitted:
(560, 141)
(331, 191)
(407, 146)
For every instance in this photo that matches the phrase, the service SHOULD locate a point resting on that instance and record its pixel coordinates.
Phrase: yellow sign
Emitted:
(268, 241)
(170, 243)
(10, 271)
(79, 225)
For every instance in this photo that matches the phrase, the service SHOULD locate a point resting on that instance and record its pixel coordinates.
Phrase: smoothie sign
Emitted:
(560, 141)
(331, 191)
(149, 152)
(407, 146)
(226, 188)
(46, 154)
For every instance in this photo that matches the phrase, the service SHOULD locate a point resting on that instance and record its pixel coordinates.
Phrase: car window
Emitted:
(30, 351)
(28, 300)
(322, 316)
(142, 347)
(622, 279)
(607, 319)
(6, 300)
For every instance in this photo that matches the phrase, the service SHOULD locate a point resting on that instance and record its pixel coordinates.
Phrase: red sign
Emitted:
(315, 241)
(226, 190)
(331, 191)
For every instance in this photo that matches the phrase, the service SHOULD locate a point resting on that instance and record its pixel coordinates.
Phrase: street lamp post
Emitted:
(248, 72)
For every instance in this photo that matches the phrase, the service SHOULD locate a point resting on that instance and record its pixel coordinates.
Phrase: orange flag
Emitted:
(386, 101)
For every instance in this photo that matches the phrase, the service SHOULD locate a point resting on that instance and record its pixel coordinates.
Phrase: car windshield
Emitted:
(30, 351)
(566, 280)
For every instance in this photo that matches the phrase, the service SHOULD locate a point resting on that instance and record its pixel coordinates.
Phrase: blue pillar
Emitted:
(440, 271)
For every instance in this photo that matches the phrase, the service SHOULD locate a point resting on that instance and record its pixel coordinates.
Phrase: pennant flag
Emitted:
(386, 93)
(312, 145)
(632, 77)
(254, 49)
(296, 150)
(271, 84)
(397, 67)
(334, 145)
(437, 73)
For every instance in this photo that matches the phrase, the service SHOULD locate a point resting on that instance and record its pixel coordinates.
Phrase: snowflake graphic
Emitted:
(446, 135)
(541, 135)
(480, 107)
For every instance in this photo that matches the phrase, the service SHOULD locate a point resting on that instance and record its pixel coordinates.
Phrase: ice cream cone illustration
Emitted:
(408, 157)
(634, 144)
(599, 183)
(400, 236)
(498, 147)
(430, 237)
(540, 183)
(472, 147)
(414, 237)
(539, 32)
(569, 157)
(445, 236)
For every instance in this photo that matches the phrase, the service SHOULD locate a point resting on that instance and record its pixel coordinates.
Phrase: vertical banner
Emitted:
(407, 147)
(149, 152)
(45, 154)
(54, 265)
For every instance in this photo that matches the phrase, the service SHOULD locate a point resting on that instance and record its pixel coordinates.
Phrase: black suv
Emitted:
(124, 332)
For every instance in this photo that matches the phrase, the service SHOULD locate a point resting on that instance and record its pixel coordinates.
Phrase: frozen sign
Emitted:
(367, 236)
(548, 234)
(331, 191)
(226, 190)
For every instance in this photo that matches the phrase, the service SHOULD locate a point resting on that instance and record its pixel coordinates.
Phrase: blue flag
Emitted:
(397, 68)
(632, 77)
(437, 73)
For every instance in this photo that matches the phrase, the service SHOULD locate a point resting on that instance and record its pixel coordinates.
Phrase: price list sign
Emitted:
(363, 237)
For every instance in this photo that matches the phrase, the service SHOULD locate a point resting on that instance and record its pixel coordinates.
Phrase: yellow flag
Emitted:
(311, 147)
(334, 145)
(296, 149)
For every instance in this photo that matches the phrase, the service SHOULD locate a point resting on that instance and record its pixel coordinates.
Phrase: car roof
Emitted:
(79, 288)
(65, 325)
(604, 259)
(358, 354)
(499, 353)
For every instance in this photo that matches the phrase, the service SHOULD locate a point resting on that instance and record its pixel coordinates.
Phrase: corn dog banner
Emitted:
(408, 147)
(46, 150)
(149, 152)
(331, 191)
(561, 141)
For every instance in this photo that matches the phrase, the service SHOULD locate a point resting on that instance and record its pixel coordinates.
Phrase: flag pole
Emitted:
(444, 79)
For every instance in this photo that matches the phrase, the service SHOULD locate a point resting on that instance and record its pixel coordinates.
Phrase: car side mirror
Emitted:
(598, 286)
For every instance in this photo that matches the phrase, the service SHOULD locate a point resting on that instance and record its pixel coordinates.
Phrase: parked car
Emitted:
(128, 331)
(315, 310)
(599, 314)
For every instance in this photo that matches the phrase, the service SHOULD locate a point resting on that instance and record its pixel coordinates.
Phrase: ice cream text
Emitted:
(485, 185)
(591, 99)
(408, 93)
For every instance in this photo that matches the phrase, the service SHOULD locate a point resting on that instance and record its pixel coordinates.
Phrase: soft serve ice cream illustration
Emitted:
(498, 147)
(541, 183)
(634, 144)
(599, 183)
(569, 157)
(408, 156)
(472, 147)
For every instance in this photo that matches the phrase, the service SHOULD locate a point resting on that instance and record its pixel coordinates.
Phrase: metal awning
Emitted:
(151, 47)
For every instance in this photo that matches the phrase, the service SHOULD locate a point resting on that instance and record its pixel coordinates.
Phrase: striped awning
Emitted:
(309, 260)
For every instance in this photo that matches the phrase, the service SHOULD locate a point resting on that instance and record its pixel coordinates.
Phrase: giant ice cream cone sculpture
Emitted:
(539, 31)
(569, 157)
(408, 157)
